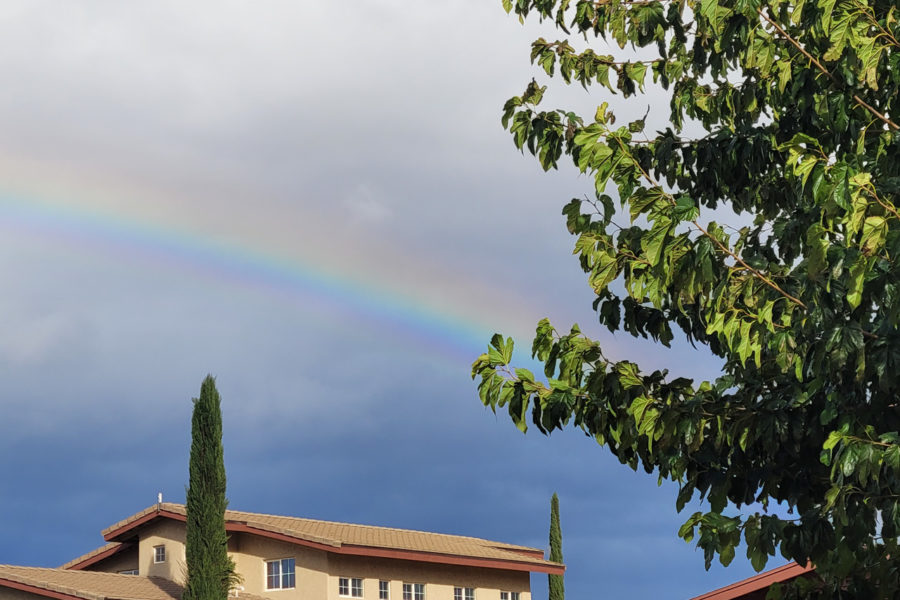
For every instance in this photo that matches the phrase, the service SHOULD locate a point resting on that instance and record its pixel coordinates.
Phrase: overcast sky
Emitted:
(316, 203)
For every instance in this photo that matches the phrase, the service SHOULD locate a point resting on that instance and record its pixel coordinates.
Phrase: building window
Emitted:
(129, 572)
(463, 593)
(280, 574)
(159, 554)
(509, 595)
(384, 592)
(413, 591)
(350, 587)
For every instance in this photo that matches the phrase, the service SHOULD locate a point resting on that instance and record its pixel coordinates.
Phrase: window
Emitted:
(350, 587)
(509, 595)
(384, 592)
(280, 574)
(413, 591)
(129, 572)
(463, 593)
(159, 554)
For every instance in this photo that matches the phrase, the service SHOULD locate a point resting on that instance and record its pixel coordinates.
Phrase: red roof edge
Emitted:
(36, 590)
(451, 559)
(115, 533)
(91, 560)
(757, 582)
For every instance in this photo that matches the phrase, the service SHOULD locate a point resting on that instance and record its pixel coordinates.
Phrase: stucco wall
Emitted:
(439, 579)
(166, 533)
(317, 573)
(251, 552)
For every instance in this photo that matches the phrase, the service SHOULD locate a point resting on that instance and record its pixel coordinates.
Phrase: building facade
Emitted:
(289, 558)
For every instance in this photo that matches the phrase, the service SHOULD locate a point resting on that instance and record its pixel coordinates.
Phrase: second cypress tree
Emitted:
(557, 588)
(210, 571)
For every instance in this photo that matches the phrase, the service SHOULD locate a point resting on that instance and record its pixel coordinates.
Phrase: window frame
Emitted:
(463, 593)
(157, 551)
(414, 589)
(351, 587)
(281, 573)
(384, 589)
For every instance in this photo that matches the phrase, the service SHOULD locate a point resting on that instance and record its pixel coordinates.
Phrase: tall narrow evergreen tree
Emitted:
(210, 571)
(557, 588)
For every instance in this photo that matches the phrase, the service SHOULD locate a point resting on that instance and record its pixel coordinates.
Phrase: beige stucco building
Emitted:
(288, 558)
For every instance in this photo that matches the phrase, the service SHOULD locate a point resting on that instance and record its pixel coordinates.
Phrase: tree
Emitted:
(557, 587)
(210, 571)
(794, 448)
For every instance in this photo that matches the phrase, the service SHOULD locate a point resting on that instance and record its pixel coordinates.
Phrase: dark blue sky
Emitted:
(316, 203)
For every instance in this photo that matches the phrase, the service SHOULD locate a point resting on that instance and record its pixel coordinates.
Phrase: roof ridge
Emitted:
(492, 543)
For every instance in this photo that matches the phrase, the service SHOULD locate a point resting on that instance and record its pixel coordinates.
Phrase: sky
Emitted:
(316, 203)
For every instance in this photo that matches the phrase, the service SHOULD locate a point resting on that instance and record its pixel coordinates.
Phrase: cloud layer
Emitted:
(359, 139)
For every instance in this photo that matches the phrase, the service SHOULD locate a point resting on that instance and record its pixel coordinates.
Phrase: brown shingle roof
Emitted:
(343, 537)
(90, 585)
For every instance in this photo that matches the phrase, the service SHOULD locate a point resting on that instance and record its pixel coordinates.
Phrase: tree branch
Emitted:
(821, 68)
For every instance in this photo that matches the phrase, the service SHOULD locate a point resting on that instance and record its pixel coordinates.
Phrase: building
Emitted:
(288, 558)
(756, 587)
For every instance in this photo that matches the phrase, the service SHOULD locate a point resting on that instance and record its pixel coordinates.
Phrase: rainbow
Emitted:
(291, 277)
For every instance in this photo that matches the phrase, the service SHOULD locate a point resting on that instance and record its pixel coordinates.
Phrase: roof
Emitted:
(63, 584)
(94, 556)
(757, 582)
(362, 540)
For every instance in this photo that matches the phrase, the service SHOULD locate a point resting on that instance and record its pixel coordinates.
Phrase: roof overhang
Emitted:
(95, 558)
(6, 583)
(757, 582)
(122, 533)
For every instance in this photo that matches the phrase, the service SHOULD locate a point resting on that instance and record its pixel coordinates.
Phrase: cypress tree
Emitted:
(557, 588)
(210, 571)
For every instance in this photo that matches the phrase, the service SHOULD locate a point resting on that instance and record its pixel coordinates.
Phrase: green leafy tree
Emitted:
(795, 106)
(557, 586)
(210, 571)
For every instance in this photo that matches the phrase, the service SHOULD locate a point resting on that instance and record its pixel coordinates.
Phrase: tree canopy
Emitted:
(783, 112)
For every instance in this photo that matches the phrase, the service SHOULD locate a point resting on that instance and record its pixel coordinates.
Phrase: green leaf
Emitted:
(652, 243)
(637, 71)
(874, 234)
(855, 281)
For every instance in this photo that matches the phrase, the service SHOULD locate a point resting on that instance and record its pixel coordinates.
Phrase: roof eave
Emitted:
(757, 582)
(24, 587)
(80, 565)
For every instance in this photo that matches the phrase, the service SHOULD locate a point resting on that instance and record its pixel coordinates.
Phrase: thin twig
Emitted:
(821, 68)
(720, 245)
